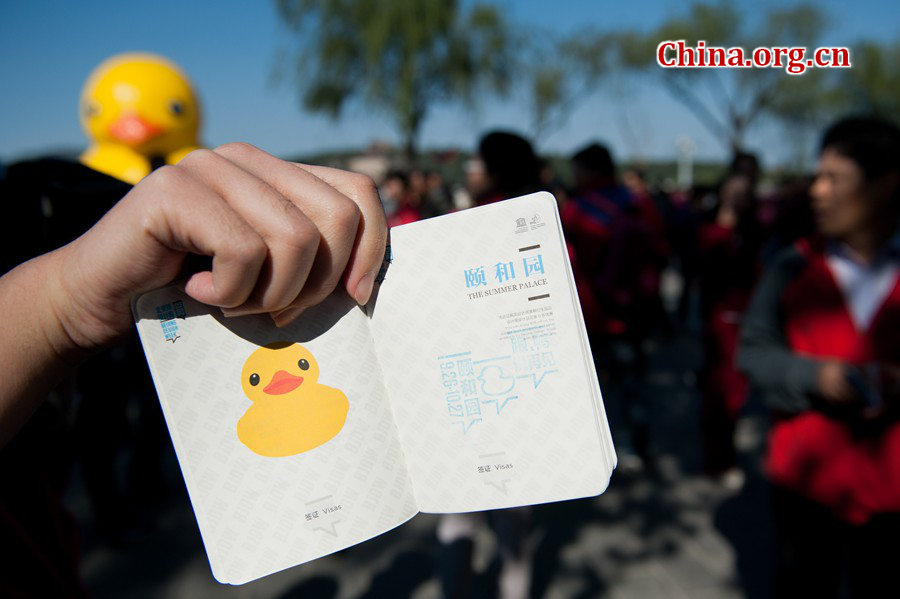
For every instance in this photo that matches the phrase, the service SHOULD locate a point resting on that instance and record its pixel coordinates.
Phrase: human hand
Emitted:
(281, 236)
(727, 217)
(833, 384)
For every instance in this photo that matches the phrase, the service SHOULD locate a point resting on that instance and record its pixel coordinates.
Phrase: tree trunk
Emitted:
(410, 152)
(412, 124)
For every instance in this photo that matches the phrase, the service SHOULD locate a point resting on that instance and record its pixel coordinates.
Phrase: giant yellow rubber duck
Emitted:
(140, 112)
(291, 412)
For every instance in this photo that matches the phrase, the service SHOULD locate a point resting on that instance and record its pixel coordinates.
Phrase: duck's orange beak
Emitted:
(132, 129)
(282, 382)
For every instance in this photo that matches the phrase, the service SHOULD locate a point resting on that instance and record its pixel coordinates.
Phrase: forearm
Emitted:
(35, 350)
(786, 380)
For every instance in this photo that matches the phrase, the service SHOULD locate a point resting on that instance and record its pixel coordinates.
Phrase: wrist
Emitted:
(52, 311)
(85, 321)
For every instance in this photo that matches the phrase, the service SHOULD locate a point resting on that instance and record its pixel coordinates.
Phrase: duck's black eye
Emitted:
(90, 109)
(254, 379)
(176, 107)
(303, 364)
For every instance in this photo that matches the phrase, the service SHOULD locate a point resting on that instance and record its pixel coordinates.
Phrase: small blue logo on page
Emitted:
(167, 313)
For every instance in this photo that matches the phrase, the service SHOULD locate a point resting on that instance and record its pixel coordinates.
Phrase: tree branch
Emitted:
(692, 102)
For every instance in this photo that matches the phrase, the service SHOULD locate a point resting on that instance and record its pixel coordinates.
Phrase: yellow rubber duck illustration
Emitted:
(140, 112)
(291, 412)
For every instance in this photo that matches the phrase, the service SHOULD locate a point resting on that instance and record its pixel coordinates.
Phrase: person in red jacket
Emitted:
(727, 268)
(821, 344)
(405, 204)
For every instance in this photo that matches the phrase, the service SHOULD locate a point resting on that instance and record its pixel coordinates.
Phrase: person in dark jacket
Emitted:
(820, 344)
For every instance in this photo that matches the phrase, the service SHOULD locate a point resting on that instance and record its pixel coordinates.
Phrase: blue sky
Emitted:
(230, 49)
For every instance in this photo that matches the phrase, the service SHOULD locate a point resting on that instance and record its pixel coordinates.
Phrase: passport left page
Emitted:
(284, 436)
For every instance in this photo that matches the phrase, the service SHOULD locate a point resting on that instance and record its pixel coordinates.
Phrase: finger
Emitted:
(291, 238)
(371, 237)
(186, 215)
(335, 215)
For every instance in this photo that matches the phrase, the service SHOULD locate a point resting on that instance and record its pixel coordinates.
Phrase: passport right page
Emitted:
(481, 342)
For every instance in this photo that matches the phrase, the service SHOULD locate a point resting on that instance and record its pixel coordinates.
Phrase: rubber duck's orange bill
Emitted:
(282, 382)
(134, 130)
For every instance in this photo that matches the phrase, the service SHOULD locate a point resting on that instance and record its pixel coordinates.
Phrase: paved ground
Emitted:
(662, 531)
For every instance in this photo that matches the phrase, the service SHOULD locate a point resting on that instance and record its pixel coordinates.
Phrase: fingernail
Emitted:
(287, 316)
(364, 289)
(232, 312)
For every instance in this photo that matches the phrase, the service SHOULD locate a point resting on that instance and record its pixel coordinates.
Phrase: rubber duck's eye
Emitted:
(90, 109)
(254, 379)
(303, 364)
(176, 107)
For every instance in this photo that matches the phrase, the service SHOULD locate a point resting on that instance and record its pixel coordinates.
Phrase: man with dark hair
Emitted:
(869, 142)
(820, 343)
(511, 166)
(506, 167)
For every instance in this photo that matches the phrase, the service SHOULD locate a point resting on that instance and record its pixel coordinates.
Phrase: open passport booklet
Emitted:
(466, 384)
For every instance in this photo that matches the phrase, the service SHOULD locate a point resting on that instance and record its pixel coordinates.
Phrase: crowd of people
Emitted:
(799, 307)
(797, 295)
